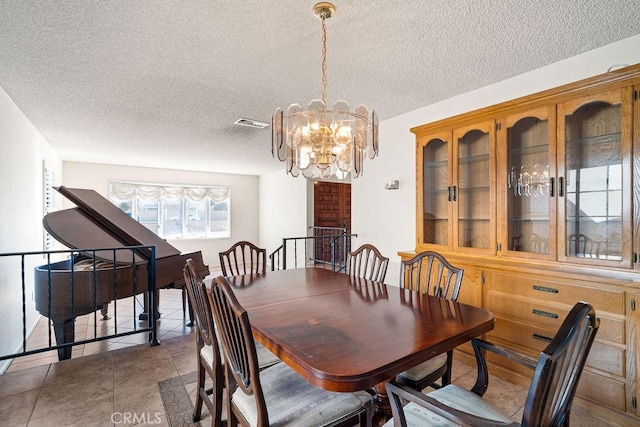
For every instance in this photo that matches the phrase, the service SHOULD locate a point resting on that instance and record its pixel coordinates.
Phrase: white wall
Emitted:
(244, 198)
(283, 210)
(22, 153)
(386, 218)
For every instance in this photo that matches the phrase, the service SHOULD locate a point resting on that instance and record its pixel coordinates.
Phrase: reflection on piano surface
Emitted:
(97, 223)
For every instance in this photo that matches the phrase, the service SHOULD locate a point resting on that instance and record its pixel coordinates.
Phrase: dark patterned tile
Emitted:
(177, 403)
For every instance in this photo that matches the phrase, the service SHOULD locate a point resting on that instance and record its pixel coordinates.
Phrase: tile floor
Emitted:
(171, 324)
(126, 382)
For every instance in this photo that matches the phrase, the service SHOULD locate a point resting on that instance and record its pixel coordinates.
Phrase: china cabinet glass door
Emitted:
(594, 171)
(434, 154)
(527, 182)
(472, 191)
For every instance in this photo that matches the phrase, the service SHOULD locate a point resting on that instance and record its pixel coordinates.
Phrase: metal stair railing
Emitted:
(338, 241)
(21, 268)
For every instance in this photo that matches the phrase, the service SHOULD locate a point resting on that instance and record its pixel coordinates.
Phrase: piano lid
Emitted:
(98, 223)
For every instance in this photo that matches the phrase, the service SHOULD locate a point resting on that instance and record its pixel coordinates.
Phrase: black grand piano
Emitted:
(114, 274)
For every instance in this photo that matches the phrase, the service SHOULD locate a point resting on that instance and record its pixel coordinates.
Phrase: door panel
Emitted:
(332, 208)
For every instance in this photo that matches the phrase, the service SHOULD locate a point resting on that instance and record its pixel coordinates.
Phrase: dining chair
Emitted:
(368, 263)
(555, 378)
(243, 258)
(208, 351)
(276, 395)
(430, 273)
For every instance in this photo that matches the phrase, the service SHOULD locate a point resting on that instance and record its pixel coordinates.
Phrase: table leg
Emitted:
(379, 410)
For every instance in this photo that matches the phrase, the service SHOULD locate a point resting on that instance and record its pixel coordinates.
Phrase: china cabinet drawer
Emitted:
(552, 291)
(551, 316)
(608, 391)
(593, 385)
(533, 339)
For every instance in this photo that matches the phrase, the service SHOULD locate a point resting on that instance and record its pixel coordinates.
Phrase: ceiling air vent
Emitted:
(251, 123)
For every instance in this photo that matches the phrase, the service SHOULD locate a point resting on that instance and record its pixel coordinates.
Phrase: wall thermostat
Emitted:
(392, 185)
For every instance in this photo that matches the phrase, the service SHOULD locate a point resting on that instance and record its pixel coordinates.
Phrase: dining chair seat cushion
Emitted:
(425, 368)
(291, 401)
(206, 352)
(265, 357)
(455, 397)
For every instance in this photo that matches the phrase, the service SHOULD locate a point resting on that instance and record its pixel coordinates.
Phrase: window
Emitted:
(176, 212)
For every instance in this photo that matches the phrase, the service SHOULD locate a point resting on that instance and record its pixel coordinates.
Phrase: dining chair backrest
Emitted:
(430, 273)
(207, 348)
(243, 258)
(368, 263)
(237, 344)
(559, 367)
(199, 301)
(551, 391)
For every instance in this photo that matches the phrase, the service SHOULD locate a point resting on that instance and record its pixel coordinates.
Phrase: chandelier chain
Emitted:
(324, 60)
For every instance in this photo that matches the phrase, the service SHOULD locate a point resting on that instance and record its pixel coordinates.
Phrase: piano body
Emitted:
(97, 223)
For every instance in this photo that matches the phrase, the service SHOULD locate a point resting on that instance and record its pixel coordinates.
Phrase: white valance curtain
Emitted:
(151, 193)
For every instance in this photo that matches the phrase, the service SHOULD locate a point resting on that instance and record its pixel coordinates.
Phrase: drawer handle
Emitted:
(545, 289)
(545, 313)
(541, 338)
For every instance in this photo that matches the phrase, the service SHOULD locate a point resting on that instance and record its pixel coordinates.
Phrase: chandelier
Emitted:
(320, 142)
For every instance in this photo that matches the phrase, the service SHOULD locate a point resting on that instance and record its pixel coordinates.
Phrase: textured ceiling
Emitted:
(159, 83)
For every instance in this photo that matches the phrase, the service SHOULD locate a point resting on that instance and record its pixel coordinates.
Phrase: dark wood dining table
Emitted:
(347, 334)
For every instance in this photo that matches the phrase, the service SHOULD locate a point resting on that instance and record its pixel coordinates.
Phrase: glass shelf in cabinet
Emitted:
(597, 190)
(532, 149)
(444, 191)
(474, 189)
(600, 218)
(436, 164)
(596, 140)
(474, 158)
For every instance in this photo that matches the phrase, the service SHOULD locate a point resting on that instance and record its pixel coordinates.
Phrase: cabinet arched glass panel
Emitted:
(436, 192)
(529, 186)
(593, 182)
(473, 190)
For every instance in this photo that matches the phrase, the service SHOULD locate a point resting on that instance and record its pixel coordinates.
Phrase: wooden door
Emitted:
(331, 208)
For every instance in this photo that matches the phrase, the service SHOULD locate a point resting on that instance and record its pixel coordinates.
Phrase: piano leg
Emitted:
(105, 311)
(65, 333)
(145, 314)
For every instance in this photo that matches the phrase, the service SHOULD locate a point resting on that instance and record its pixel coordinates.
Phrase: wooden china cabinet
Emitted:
(537, 198)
